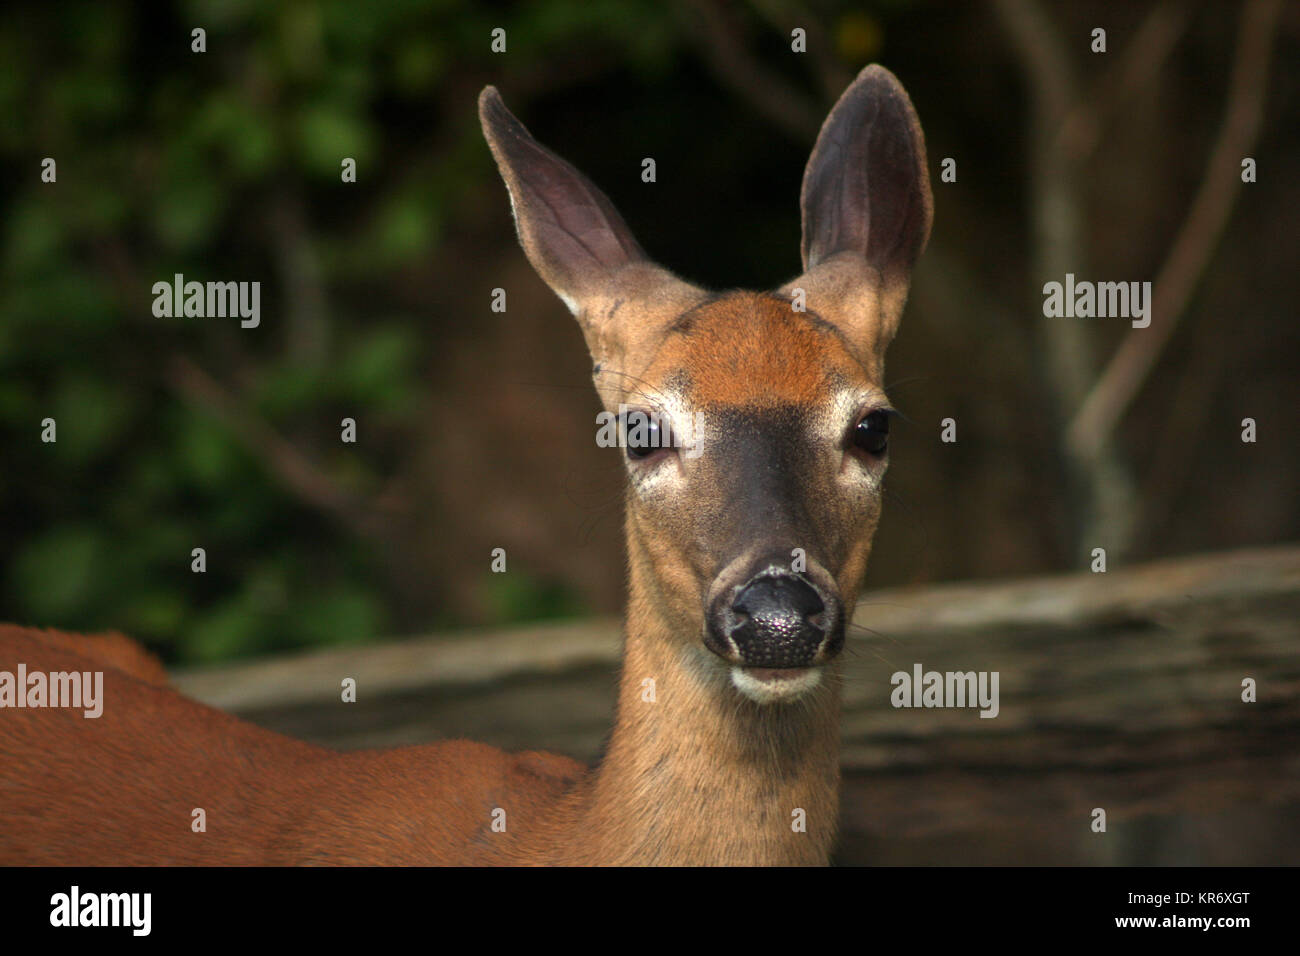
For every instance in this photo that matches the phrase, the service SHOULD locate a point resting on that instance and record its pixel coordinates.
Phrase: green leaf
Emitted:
(343, 616)
(327, 133)
(56, 576)
(518, 596)
(157, 614)
(290, 388)
(405, 227)
(209, 455)
(231, 629)
(33, 235)
(377, 370)
(187, 209)
(91, 416)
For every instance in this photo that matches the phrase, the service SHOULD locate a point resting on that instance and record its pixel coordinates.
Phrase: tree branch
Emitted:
(722, 47)
(1139, 65)
(1190, 253)
(294, 470)
(1100, 491)
(785, 15)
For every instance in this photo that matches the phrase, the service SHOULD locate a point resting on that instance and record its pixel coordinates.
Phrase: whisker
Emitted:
(855, 650)
(904, 382)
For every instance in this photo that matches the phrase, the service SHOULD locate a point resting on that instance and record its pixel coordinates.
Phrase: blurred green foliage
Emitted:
(226, 165)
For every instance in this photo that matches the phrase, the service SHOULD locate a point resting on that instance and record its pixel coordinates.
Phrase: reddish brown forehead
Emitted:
(750, 349)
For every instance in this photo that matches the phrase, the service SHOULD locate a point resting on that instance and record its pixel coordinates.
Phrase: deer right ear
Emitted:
(867, 210)
(579, 244)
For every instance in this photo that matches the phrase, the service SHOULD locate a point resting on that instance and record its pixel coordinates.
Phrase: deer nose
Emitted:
(778, 621)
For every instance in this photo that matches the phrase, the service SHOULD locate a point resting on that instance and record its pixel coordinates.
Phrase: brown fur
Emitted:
(121, 789)
(110, 648)
(748, 350)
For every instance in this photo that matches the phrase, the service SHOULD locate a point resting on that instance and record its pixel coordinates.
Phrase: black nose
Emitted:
(777, 620)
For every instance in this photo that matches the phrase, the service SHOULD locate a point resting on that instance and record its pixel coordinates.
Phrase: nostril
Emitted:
(813, 608)
(776, 598)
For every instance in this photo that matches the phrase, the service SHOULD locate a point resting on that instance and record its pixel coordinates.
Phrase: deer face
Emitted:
(756, 527)
(754, 425)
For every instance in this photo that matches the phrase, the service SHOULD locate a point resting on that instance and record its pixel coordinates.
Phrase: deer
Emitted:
(744, 560)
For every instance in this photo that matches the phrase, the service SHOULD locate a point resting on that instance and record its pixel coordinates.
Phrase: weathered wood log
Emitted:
(1120, 690)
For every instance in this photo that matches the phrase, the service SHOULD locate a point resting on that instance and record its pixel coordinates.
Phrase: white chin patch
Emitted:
(775, 689)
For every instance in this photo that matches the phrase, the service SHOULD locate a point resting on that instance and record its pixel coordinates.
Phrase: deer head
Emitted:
(748, 550)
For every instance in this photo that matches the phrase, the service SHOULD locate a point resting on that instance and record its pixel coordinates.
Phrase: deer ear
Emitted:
(866, 207)
(570, 231)
(580, 246)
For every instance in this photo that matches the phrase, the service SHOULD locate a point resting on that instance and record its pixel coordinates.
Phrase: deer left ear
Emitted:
(867, 210)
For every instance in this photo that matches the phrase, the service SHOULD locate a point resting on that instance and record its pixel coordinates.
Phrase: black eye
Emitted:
(872, 433)
(641, 436)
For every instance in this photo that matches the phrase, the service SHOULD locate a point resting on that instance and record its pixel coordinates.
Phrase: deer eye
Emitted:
(871, 434)
(642, 436)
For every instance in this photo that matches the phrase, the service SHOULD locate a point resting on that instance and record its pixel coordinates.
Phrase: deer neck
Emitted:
(695, 773)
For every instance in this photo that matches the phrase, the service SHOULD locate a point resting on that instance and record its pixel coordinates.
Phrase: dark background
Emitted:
(476, 428)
